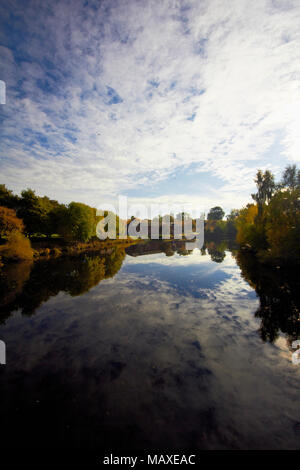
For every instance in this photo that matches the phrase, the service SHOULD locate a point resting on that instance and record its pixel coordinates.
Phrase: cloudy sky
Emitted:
(162, 101)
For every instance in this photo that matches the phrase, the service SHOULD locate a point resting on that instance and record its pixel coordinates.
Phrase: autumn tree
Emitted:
(272, 226)
(17, 247)
(245, 225)
(9, 222)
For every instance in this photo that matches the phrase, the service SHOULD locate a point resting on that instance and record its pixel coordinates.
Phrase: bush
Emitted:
(17, 247)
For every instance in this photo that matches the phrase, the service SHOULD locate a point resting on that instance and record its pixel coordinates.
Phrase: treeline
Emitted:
(44, 216)
(24, 286)
(270, 226)
(215, 228)
(29, 215)
(41, 216)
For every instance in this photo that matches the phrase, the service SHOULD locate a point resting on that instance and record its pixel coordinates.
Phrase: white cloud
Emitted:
(233, 65)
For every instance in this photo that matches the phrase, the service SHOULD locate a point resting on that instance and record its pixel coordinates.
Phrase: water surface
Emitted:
(156, 348)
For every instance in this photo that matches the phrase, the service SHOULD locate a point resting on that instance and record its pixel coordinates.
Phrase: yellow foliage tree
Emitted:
(245, 224)
(16, 247)
(9, 222)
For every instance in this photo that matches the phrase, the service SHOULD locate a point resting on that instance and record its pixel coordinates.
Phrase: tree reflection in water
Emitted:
(216, 251)
(12, 280)
(27, 285)
(278, 290)
(104, 378)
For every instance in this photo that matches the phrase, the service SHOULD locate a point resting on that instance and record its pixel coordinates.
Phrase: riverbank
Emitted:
(54, 247)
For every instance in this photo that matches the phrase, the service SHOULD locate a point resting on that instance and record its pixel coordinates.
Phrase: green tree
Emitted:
(272, 226)
(34, 212)
(290, 178)
(49, 210)
(7, 198)
(79, 222)
(231, 223)
(215, 213)
(283, 225)
(248, 231)
(265, 188)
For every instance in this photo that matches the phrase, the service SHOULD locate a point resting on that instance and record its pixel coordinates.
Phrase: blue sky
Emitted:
(171, 101)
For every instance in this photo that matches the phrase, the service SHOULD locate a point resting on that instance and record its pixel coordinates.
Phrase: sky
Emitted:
(162, 101)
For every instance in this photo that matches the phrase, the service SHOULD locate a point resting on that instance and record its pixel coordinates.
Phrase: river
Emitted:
(149, 347)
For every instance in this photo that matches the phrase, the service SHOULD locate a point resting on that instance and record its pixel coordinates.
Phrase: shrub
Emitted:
(17, 247)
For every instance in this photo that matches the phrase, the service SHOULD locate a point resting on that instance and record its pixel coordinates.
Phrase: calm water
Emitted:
(156, 348)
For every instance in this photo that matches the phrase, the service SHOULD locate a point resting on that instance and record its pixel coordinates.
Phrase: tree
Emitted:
(7, 198)
(231, 223)
(265, 188)
(78, 221)
(234, 213)
(9, 222)
(33, 213)
(272, 226)
(215, 213)
(41, 215)
(245, 224)
(283, 225)
(290, 178)
(215, 229)
(48, 209)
